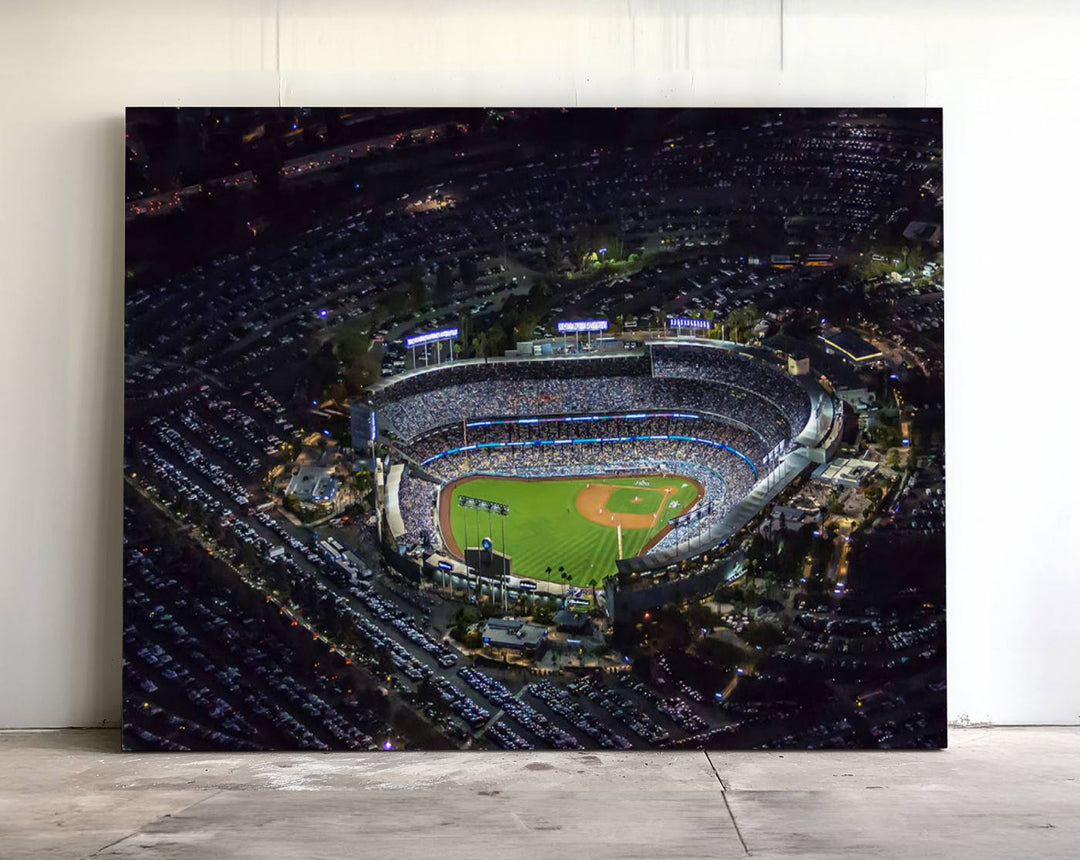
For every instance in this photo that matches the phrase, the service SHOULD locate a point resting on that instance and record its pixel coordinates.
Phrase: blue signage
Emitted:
(430, 337)
(688, 322)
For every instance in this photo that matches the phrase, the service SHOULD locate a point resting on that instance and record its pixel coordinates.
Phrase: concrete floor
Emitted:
(1005, 792)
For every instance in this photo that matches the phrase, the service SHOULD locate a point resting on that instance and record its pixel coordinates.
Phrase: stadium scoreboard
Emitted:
(572, 326)
(688, 322)
(430, 337)
(484, 505)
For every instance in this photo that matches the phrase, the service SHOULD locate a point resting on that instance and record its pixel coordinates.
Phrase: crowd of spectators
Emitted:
(685, 447)
(428, 399)
(515, 436)
(720, 382)
(743, 403)
(416, 503)
(723, 366)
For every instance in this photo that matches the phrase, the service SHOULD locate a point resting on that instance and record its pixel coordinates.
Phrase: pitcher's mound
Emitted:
(592, 503)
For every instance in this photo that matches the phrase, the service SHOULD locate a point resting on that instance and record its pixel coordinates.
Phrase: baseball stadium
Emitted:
(559, 471)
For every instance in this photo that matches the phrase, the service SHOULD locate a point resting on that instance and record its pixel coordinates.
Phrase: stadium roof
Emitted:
(511, 633)
(924, 231)
(571, 620)
(851, 345)
(847, 471)
(313, 484)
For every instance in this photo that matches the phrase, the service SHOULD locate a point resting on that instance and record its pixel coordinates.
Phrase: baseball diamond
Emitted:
(583, 448)
(567, 522)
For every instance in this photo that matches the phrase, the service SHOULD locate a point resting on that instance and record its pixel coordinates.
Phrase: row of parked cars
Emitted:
(562, 703)
(621, 708)
(228, 686)
(525, 715)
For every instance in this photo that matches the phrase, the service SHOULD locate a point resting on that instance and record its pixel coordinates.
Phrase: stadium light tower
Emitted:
(493, 508)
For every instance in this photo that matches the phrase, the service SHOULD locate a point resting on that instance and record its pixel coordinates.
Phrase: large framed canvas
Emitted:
(534, 429)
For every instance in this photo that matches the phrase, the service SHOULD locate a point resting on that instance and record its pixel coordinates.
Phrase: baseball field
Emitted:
(569, 523)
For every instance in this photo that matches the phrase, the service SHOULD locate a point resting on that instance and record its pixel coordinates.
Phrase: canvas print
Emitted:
(574, 429)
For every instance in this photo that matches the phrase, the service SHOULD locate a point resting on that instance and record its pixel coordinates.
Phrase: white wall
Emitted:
(1007, 81)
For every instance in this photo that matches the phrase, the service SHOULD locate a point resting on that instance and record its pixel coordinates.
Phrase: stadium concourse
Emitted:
(731, 419)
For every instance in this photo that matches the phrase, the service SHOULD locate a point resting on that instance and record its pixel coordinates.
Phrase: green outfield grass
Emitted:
(622, 501)
(544, 529)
